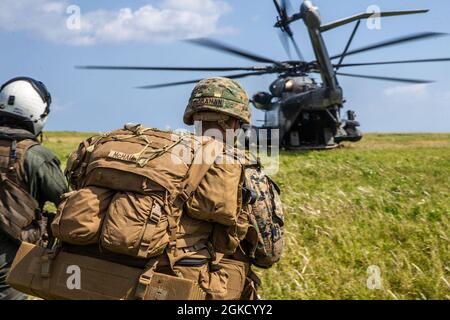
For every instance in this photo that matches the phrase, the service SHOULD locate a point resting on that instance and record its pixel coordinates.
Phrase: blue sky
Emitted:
(36, 42)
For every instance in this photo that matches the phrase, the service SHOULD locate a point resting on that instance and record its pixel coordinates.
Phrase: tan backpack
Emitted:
(131, 187)
(19, 211)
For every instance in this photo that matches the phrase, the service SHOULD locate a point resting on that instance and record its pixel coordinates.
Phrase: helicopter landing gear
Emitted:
(313, 131)
(349, 129)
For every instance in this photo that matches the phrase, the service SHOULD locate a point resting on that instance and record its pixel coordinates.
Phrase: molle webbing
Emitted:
(18, 208)
(12, 158)
(138, 135)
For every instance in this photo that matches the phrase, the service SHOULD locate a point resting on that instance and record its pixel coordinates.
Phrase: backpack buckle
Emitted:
(155, 214)
(181, 199)
(144, 282)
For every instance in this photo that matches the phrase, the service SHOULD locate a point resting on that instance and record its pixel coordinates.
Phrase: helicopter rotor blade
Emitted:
(391, 62)
(285, 6)
(349, 42)
(367, 15)
(234, 76)
(297, 49)
(278, 7)
(412, 81)
(396, 41)
(213, 44)
(283, 10)
(285, 42)
(138, 68)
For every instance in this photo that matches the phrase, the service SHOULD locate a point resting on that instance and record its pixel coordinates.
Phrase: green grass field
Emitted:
(383, 202)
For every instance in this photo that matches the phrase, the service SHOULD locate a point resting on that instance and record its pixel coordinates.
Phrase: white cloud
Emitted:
(408, 91)
(171, 20)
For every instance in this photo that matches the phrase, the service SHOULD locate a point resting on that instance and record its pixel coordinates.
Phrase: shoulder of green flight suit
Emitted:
(38, 154)
(46, 180)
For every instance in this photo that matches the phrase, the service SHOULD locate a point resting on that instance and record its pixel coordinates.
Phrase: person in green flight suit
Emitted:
(25, 165)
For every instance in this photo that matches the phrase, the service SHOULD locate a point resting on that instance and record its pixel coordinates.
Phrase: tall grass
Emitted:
(384, 202)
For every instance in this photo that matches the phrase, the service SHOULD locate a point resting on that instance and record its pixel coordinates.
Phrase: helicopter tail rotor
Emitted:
(286, 35)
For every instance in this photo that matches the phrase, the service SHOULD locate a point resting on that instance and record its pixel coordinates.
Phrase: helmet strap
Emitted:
(40, 137)
(223, 124)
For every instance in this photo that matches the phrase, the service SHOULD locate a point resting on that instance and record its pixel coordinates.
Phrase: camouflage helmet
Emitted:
(220, 95)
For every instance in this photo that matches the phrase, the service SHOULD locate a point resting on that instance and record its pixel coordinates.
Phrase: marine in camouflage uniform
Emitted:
(224, 103)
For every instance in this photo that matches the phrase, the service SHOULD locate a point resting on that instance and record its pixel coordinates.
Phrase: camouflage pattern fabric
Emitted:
(221, 95)
(266, 218)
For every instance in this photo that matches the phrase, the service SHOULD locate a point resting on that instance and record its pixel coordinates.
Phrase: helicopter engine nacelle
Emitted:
(263, 101)
(299, 85)
(277, 87)
(311, 15)
(291, 85)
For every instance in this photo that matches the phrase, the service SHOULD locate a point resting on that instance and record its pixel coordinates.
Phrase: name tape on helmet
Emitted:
(216, 102)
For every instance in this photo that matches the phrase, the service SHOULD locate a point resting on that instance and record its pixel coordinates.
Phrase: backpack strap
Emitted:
(22, 148)
(144, 282)
(197, 171)
(13, 159)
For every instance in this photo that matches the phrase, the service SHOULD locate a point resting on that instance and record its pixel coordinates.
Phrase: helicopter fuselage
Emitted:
(304, 112)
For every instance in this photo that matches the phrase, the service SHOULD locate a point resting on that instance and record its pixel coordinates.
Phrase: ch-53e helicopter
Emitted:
(307, 114)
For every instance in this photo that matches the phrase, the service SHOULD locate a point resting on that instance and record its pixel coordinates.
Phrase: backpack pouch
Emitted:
(17, 208)
(135, 225)
(80, 215)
